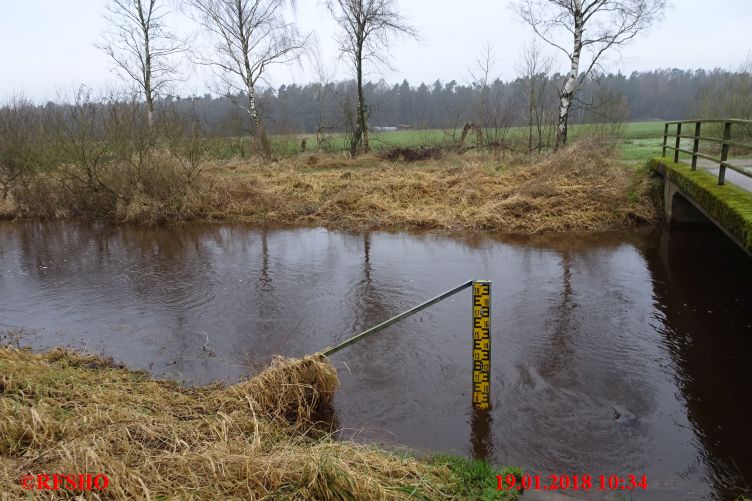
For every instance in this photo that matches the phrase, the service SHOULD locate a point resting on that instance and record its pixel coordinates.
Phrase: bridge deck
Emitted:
(732, 177)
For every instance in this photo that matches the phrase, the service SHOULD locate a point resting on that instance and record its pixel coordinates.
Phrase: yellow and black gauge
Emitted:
(481, 344)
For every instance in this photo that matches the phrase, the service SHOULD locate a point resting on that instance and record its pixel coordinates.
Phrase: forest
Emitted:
(665, 94)
(668, 94)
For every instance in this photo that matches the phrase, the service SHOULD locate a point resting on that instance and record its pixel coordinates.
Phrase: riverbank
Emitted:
(69, 413)
(584, 187)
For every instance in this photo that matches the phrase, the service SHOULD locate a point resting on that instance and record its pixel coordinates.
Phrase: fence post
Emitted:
(696, 146)
(724, 153)
(481, 344)
(678, 143)
(665, 138)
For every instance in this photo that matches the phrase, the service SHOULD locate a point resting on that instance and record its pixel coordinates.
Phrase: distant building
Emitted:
(392, 128)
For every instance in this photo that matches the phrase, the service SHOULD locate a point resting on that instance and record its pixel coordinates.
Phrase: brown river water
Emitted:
(618, 353)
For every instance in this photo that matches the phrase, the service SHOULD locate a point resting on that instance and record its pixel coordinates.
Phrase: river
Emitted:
(613, 353)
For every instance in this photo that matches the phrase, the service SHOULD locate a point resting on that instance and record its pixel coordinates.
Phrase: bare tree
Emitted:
(142, 46)
(22, 143)
(481, 79)
(534, 67)
(325, 89)
(491, 115)
(603, 108)
(249, 36)
(729, 95)
(595, 26)
(367, 26)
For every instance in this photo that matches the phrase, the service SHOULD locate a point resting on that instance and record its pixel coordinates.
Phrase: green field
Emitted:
(640, 140)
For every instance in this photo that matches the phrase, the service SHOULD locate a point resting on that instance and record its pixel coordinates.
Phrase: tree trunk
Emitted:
(530, 115)
(562, 126)
(147, 87)
(148, 91)
(259, 129)
(570, 86)
(250, 87)
(540, 113)
(361, 126)
(150, 111)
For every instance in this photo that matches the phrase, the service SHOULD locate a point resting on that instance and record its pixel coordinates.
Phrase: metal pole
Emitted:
(696, 144)
(394, 320)
(665, 139)
(481, 344)
(678, 142)
(724, 153)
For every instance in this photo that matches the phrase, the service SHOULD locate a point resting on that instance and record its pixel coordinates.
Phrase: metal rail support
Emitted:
(724, 153)
(394, 320)
(665, 139)
(726, 141)
(481, 328)
(696, 145)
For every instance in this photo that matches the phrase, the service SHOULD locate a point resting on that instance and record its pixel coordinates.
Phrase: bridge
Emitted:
(706, 187)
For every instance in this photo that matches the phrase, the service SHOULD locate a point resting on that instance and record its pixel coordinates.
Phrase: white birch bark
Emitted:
(570, 86)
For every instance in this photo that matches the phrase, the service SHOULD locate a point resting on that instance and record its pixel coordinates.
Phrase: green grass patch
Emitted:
(640, 140)
(476, 478)
(637, 150)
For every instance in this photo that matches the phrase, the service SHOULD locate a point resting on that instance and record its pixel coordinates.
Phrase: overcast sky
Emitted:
(47, 46)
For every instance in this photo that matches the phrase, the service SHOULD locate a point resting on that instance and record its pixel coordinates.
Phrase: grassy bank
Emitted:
(583, 187)
(66, 413)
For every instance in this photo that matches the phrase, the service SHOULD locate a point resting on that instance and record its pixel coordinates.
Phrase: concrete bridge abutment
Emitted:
(679, 210)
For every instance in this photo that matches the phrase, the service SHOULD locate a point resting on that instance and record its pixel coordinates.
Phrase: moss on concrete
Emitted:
(729, 205)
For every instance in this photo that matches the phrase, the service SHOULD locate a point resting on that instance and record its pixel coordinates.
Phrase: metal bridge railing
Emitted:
(725, 140)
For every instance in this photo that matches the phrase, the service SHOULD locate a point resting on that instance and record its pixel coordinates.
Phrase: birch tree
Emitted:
(248, 37)
(142, 46)
(366, 27)
(593, 28)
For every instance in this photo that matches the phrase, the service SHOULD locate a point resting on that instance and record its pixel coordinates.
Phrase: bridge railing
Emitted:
(725, 140)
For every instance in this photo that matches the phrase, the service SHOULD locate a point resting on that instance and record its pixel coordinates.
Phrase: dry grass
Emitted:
(66, 413)
(580, 188)
(583, 187)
